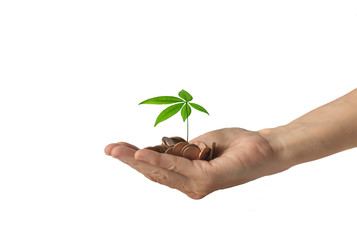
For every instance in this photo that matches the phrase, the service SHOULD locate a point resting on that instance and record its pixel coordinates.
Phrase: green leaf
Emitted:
(185, 112)
(198, 107)
(185, 95)
(162, 100)
(168, 112)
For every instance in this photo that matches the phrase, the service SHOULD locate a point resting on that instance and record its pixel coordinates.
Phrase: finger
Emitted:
(123, 153)
(108, 149)
(128, 145)
(154, 173)
(169, 162)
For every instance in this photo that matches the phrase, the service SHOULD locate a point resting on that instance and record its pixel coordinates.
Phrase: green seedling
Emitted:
(182, 103)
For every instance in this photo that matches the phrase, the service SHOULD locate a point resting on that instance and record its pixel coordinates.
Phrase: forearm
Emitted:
(326, 130)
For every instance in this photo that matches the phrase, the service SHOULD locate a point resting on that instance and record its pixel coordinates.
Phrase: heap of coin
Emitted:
(180, 147)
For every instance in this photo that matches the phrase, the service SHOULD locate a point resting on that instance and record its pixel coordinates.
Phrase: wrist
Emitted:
(298, 142)
(326, 130)
(281, 144)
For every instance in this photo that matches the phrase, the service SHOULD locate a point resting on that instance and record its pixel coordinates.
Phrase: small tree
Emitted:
(182, 103)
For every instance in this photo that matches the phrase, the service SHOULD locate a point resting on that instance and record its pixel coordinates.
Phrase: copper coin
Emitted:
(191, 152)
(172, 141)
(188, 145)
(160, 148)
(165, 146)
(169, 150)
(177, 148)
(151, 148)
(204, 154)
(184, 147)
(213, 151)
(178, 139)
(166, 141)
(201, 145)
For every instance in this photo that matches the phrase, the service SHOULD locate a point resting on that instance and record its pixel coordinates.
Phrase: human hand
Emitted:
(242, 156)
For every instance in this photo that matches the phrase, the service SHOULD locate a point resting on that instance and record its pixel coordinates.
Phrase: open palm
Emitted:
(242, 156)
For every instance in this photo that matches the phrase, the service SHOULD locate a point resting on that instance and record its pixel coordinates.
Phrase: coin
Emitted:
(178, 139)
(204, 154)
(213, 151)
(177, 148)
(184, 147)
(172, 141)
(151, 148)
(191, 151)
(180, 147)
(167, 141)
(169, 150)
(160, 148)
(201, 145)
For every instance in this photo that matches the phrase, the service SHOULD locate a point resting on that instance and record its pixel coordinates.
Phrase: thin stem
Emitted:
(187, 119)
(187, 129)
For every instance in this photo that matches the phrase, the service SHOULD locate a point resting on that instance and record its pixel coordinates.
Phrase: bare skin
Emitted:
(247, 155)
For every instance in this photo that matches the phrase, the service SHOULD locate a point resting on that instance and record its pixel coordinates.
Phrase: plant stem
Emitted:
(187, 118)
(187, 129)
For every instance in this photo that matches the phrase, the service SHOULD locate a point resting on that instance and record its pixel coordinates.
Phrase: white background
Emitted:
(73, 72)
